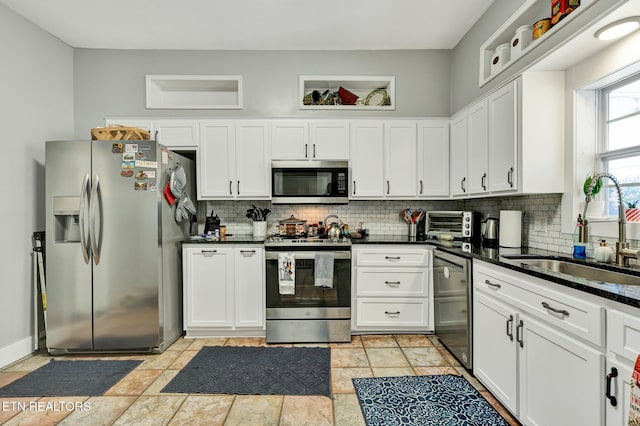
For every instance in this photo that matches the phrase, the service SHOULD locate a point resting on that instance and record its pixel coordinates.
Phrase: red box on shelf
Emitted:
(347, 97)
(561, 8)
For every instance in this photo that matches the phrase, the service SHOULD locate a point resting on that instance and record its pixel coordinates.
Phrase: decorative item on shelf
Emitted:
(328, 97)
(594, 207)
(500, 57)
(119, 133)
(540, 27)
(520, 41)
(378, 97)
(561, 8)
(347, 97)
(259, 218)
(632, 212)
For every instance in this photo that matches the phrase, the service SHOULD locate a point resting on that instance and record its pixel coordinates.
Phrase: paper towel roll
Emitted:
(510, 228)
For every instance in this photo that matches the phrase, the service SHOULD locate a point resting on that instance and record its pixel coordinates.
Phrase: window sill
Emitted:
(608, 228)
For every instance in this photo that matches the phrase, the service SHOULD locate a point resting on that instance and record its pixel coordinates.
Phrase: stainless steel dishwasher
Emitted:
(452, 288)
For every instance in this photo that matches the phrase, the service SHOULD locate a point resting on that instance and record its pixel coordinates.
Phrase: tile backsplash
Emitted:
(541, 227)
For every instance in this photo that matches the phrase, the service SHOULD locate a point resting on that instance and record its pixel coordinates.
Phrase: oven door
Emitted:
(308, 299)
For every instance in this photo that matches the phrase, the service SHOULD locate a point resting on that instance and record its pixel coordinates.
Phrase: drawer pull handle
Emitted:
(552, 309)
(208, 253)
(395, 314)
(247, 251)
(490, 284)
(392, 257)
(612, 399)
(392, 283)
(510, 327)
(519, 336)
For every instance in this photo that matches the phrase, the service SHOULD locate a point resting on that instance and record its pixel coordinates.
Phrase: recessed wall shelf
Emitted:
(529, 13)
(373, 92)
(194, 91)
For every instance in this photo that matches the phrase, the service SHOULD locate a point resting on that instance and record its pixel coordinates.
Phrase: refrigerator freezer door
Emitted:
(69, 318)
(126, 215)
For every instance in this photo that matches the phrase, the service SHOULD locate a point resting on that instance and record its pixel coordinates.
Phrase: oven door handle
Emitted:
(273, 255)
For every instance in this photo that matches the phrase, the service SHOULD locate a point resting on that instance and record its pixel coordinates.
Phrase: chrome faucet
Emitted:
(623, 251)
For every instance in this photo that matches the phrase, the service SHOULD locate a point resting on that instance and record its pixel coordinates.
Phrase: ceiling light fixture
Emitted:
(618, 28)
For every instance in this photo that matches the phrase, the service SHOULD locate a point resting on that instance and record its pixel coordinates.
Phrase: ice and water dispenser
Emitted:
(66, 214)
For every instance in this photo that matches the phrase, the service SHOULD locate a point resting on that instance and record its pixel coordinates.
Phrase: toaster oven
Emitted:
(462, 225)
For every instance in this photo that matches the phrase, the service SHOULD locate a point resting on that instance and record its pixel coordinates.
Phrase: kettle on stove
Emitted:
(490, 232)
(334, 230)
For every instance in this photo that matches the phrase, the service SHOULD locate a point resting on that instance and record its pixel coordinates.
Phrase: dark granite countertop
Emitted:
(387, 239)
(229, 239)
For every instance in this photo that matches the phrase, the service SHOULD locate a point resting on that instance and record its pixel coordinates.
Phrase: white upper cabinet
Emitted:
(253, 160)
(329, 139)
(458, 160)
(478, 148)
(366, 166)
(503, 122)
(178, 134)
(400, 145)
(290, 140)
(433, 158)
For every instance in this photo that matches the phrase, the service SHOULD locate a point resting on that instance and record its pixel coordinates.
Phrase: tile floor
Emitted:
(137, 400)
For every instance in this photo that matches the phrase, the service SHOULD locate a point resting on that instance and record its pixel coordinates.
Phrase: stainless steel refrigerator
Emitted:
(113, 265)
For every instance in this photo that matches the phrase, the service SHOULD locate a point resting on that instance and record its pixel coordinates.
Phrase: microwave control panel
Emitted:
(342, 182)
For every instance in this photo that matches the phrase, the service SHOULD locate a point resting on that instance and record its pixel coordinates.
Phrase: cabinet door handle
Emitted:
(462, 182)
(156, 137)
(392, 283)
(490, 284)
(230, 190)
(314, 150)
(555, 310)
(305, 150)
(510, 327)
(388, 187)
(519, 336)
(612, 399)
(421, 187)
(238, 188)
(354, 187)
(392, 257)
(483, 182)
(510, 177)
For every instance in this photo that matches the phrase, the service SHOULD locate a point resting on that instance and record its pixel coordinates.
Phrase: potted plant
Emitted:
(595, 207)
(632, 212)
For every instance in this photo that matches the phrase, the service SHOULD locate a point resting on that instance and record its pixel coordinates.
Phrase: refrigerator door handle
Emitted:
(84, 243)
(93, 235)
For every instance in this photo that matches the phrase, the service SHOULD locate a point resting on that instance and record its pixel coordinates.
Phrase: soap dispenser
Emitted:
(603, 253)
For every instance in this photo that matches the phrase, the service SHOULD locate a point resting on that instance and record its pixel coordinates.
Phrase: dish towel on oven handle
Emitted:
(323, 270)
(634, 409)
(287, 273)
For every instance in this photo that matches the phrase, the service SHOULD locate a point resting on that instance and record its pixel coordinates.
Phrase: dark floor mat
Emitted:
(256, 371)
(70, 378)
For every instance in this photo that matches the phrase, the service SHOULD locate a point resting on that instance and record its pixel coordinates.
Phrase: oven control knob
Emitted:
(466, 225)
(467, 218)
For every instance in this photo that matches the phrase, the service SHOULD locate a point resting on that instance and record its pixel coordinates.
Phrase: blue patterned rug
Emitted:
(424, 400)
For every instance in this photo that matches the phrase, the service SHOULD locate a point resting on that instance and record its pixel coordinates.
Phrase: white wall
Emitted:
(36, 103)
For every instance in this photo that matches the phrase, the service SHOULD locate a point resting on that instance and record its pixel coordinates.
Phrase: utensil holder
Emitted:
(260, 228)
(413, 230)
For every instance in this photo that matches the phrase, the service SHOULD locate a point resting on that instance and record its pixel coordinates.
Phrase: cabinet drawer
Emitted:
(392, 256)
(583, 319)
(394, 313)
(623, 334)
(392, 282)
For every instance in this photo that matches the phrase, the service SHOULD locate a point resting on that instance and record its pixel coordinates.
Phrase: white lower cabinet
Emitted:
(223, 290)
(392, 288)
(538, 371)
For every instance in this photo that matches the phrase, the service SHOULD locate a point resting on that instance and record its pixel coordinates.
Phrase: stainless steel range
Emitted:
(308, 290)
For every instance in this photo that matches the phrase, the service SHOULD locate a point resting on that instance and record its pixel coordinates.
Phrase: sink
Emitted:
(591, 273)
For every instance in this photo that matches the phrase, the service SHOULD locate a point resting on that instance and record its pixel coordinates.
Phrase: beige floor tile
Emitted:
(356, 342)
(349, 358)
(341, 378)
(393, 371)
(30, 364)
(134, 383)
(413, 340)
(426, 357)
(474, 382)
(182, 360)
(255, 410)
(180, 345)
(11, 407)
(306, 411)
(47, 411)
(243, 341)
(99, 410)
(205, 410)
(163, 379)
(434, 371)
(198, 344)
(347, 411)
(449, 357)
(151, 411)
(379, 341)
(10, 376)
(386, 357)
(434, 340)
(160, 361)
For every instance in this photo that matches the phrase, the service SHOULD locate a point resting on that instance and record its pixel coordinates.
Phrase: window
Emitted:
(619, 151)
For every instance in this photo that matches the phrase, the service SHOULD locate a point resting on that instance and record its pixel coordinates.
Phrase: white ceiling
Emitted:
(254, 24)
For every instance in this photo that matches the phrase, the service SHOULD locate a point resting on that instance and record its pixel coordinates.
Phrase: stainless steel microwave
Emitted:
(309, 182)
